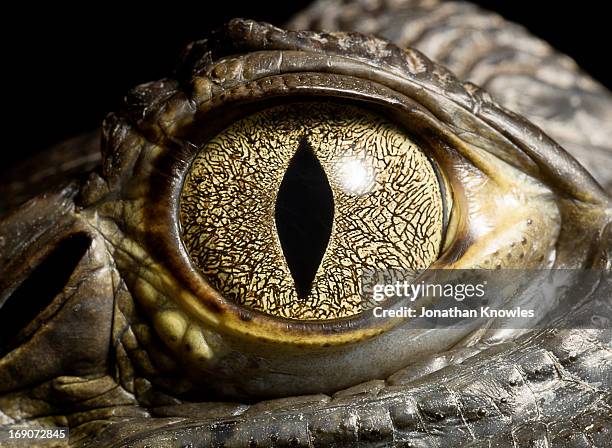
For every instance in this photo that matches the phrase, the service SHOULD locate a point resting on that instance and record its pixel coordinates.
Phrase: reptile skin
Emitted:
(103, 359)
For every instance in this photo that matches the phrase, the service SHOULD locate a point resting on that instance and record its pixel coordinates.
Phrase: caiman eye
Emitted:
(284, 210)
(243, 201)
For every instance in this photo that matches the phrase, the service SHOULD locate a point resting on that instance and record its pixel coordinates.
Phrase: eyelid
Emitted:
(407, 71)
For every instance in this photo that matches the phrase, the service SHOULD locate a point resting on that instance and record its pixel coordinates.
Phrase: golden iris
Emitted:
(284, 210)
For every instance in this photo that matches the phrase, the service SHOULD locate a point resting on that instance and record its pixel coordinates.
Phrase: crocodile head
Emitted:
(156, 302)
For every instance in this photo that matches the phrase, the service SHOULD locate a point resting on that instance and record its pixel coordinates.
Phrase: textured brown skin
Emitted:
(544, 387)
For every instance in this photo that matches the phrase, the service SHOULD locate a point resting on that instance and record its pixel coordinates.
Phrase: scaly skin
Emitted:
(544, 389)
(98, 361)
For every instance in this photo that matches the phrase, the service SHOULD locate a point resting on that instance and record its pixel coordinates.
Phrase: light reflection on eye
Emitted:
(356, 177)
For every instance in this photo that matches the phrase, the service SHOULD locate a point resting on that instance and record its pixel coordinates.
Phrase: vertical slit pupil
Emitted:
(304, 214)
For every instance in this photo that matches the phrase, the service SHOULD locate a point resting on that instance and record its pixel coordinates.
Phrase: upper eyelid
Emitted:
(285, 54)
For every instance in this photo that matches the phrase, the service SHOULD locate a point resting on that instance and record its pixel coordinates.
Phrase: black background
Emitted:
(67, 66)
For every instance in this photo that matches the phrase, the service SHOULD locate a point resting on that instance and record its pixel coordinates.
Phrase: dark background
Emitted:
(67, 66)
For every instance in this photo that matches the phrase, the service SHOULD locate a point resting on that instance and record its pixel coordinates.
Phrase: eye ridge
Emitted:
(304, 213)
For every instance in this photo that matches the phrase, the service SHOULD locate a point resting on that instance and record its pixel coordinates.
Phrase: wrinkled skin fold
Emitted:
(103, 354)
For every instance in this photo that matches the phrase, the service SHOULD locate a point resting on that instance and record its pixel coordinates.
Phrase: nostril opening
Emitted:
(39, 289)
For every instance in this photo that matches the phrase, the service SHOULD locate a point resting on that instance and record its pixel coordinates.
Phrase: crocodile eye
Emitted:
(283, 210)
(247, 198)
